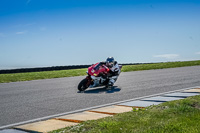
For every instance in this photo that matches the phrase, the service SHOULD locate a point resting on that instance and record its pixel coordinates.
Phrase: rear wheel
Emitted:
(83, 85)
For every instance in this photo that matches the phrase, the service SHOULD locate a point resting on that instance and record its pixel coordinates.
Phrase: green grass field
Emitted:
(5, 78)
(181, 116)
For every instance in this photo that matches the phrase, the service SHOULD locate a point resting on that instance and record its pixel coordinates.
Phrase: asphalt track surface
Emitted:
(23, 101)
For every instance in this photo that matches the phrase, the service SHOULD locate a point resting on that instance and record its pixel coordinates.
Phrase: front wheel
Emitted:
(83, 85)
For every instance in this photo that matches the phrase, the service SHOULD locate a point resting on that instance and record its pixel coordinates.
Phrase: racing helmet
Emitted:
(110, 62)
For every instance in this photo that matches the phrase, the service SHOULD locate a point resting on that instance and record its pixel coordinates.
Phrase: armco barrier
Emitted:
(40, 69)
(23, 70)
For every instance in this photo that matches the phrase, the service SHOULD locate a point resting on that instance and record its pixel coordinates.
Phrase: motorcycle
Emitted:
(98, 75)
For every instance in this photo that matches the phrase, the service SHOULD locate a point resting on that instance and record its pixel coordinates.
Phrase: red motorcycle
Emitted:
(98, 75)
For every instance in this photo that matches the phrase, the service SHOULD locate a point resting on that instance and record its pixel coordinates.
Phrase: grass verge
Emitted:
(169, 117)
(5, 78)
(159, 65)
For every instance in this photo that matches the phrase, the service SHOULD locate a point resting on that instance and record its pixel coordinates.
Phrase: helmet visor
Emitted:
(110, 60)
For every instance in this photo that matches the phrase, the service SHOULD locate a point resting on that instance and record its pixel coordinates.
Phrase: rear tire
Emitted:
(82, 86)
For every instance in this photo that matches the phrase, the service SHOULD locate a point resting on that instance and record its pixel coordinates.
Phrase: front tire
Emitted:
(83, 85)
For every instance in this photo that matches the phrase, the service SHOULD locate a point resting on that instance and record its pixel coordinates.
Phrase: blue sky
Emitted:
(40, 33)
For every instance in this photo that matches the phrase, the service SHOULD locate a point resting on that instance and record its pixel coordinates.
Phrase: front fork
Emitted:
(90, 80)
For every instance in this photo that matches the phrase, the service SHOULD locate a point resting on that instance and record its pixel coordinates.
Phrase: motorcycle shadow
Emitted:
(103, 90)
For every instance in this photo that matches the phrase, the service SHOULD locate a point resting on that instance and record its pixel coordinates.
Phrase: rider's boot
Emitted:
(111, 82)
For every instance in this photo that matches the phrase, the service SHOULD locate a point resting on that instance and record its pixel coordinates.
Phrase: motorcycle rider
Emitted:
(113, 74)
(114, 70)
